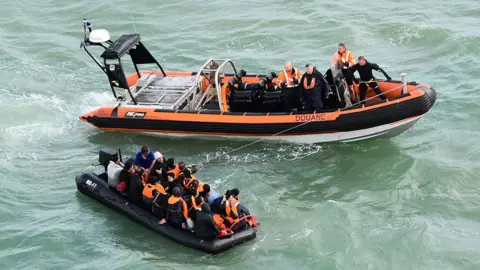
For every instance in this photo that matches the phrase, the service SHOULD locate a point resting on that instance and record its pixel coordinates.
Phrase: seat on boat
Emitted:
(271, 102)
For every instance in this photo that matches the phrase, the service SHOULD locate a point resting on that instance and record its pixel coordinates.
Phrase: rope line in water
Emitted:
(292, 128)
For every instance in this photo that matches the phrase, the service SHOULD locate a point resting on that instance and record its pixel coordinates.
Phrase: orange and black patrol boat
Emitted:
(219, 100)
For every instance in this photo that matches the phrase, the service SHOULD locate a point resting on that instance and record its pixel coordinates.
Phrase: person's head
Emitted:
(194, 168)
(206, 188)
(158, 156)
(362, 61)
(140, 171)
(170, 177)
(170, 162)
(309, 68)
(153, 179)
(187, 173)
(288, 66)
(235, 192)
(228, 194)
(341, 48)
(128, 164)
(199, 201)
(181, 165)
(176, 192)
(145, 151)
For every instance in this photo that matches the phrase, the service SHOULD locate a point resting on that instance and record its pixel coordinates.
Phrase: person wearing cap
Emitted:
(177, 210)
(144, 158)
(365, 69)
(314, 88)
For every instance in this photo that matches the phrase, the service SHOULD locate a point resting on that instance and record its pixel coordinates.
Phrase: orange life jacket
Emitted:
(177, 205)
(287, 77)
(176, 171)
(188, 181)
(231, 211)
(347, 56)
(312, 83)
(149, 188)
(219, 221)
(200, 187)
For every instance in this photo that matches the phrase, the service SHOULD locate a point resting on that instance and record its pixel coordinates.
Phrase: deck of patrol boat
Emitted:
(163, 92)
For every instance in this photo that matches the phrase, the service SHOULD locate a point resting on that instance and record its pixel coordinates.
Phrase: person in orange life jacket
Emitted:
(186, 178)
(194, 204)
(144, 158)
(288, 80)
(205, 226)
(177, 169)
(177, 210)
(208, 194)
(365, 69)
(155, 193)
(232, 215)
(218, 205)
(346, 60)
(151, 189)
(242, 209)
(314, 88)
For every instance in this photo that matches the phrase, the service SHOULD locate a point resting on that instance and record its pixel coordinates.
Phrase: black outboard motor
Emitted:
(335, 95)
(105, 155)
(237, 79)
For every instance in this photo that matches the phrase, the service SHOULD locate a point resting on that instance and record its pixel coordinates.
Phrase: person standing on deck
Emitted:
(365, 69)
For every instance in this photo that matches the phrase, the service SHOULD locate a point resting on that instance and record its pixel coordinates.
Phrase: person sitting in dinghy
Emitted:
(159, 167)
(177, 211)
(144, 158)
(114, 169)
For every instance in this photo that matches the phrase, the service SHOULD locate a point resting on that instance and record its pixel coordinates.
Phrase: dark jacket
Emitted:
(135, 189)
(366, 71)
(160, 166)
(205, 226)
(320, 81)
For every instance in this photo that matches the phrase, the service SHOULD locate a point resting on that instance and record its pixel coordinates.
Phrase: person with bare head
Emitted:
(346, 60)
(314, 88)
(288, 80)
(365, 69)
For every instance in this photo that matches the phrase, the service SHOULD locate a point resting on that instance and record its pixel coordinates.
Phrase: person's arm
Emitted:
(137, 158)
(301, 81)
(377, 68)
(281, 80)
(185, 209)
(243, 208)
(214, 226)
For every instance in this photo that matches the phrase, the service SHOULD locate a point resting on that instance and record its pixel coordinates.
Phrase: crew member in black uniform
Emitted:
(365, 69)
(314, 86)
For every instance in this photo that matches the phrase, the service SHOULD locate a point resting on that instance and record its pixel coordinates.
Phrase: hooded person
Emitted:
(205, 227)
(114, 169)
(159, 168)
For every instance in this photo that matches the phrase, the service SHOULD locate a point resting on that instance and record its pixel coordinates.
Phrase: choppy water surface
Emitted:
(407, 203)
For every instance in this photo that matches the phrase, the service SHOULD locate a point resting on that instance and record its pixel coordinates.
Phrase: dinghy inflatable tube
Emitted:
(96, 187)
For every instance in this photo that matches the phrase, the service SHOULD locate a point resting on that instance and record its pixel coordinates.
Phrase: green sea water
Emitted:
(411, 202)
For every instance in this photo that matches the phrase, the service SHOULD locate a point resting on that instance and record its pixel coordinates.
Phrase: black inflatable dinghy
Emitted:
(96, 187)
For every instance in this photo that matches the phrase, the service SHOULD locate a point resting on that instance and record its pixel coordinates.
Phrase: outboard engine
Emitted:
(105, 155)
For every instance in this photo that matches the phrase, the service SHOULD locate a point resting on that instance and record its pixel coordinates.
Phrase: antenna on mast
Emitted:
(134, 28)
